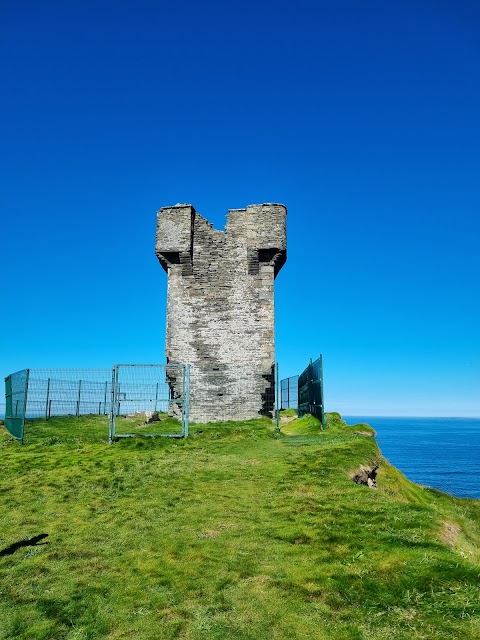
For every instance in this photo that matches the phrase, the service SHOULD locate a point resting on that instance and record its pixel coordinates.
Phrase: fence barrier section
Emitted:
(150, 395)
(145, 399)
(310, 391)
(289, 393)
(16, 388)
(121, 401)
(73, 392)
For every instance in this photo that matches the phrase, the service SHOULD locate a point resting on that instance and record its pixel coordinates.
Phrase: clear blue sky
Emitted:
(363, 118)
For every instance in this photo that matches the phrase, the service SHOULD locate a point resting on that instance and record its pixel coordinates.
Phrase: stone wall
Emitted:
(220, 307)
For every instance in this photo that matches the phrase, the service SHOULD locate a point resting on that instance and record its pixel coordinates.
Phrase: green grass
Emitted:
(93, 428)
(232, 534)
(288, 412)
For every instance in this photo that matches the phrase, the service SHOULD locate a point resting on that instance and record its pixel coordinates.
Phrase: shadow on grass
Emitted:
(30, 542)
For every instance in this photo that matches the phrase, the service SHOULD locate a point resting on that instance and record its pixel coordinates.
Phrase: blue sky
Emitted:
(362, 118)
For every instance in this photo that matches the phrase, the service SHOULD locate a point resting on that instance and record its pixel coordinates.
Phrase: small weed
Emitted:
(353, 558)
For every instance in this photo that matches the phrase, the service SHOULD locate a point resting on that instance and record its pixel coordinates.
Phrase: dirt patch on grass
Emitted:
(221, 527)
(262, 579)
(366, 475)
(449, 533)
(210, 533)
(302, 540)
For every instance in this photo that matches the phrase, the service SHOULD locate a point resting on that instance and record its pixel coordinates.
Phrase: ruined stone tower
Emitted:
(220, 308)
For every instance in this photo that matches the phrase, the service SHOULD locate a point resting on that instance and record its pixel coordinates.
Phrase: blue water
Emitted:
(443, 453)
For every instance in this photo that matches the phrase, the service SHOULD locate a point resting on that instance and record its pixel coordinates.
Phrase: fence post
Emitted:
(321, 392)
(48, 398)
(112, 424)
(25, 402)
(105, 400)
(79, 394)
(311, 393)
(186, 400)
(277, 408)
(156, 396)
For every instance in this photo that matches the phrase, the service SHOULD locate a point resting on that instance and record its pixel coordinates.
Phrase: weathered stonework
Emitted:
(220, 307)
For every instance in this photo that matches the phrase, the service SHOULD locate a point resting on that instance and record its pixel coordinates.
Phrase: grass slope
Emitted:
(230, 535)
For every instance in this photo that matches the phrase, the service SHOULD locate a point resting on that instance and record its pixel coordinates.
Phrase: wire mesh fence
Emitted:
(63, 392)
(305, 392)
(134, 399)
(40, 403)
(43, 404)
(16, 385)
(289, 393)
(310, 391)
(150, 399)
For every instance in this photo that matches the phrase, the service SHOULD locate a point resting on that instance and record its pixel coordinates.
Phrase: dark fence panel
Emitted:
(289, 393)
(16, 386)
(310, 391)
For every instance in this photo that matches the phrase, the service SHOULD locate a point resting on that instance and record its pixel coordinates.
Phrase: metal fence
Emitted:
(305, 392)
(43, 394)
(62, 392)
(289, 393)
(310, 391)
(127, 400)
(150, 395)
(16, 385)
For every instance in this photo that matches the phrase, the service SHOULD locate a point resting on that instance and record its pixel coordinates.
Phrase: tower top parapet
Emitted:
(259, 227)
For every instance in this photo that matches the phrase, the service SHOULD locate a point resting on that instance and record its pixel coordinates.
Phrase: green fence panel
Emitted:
(16, 390)
(310, 391)
(289, 393)
(160, 392)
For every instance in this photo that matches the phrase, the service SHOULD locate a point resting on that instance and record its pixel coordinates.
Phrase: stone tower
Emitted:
(220, 307)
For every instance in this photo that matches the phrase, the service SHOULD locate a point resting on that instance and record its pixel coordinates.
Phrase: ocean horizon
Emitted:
(442, 453)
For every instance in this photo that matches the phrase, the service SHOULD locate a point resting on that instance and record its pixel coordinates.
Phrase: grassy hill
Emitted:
(232, 534)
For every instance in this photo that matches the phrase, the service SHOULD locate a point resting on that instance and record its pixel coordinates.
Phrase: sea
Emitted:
(443, 453)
